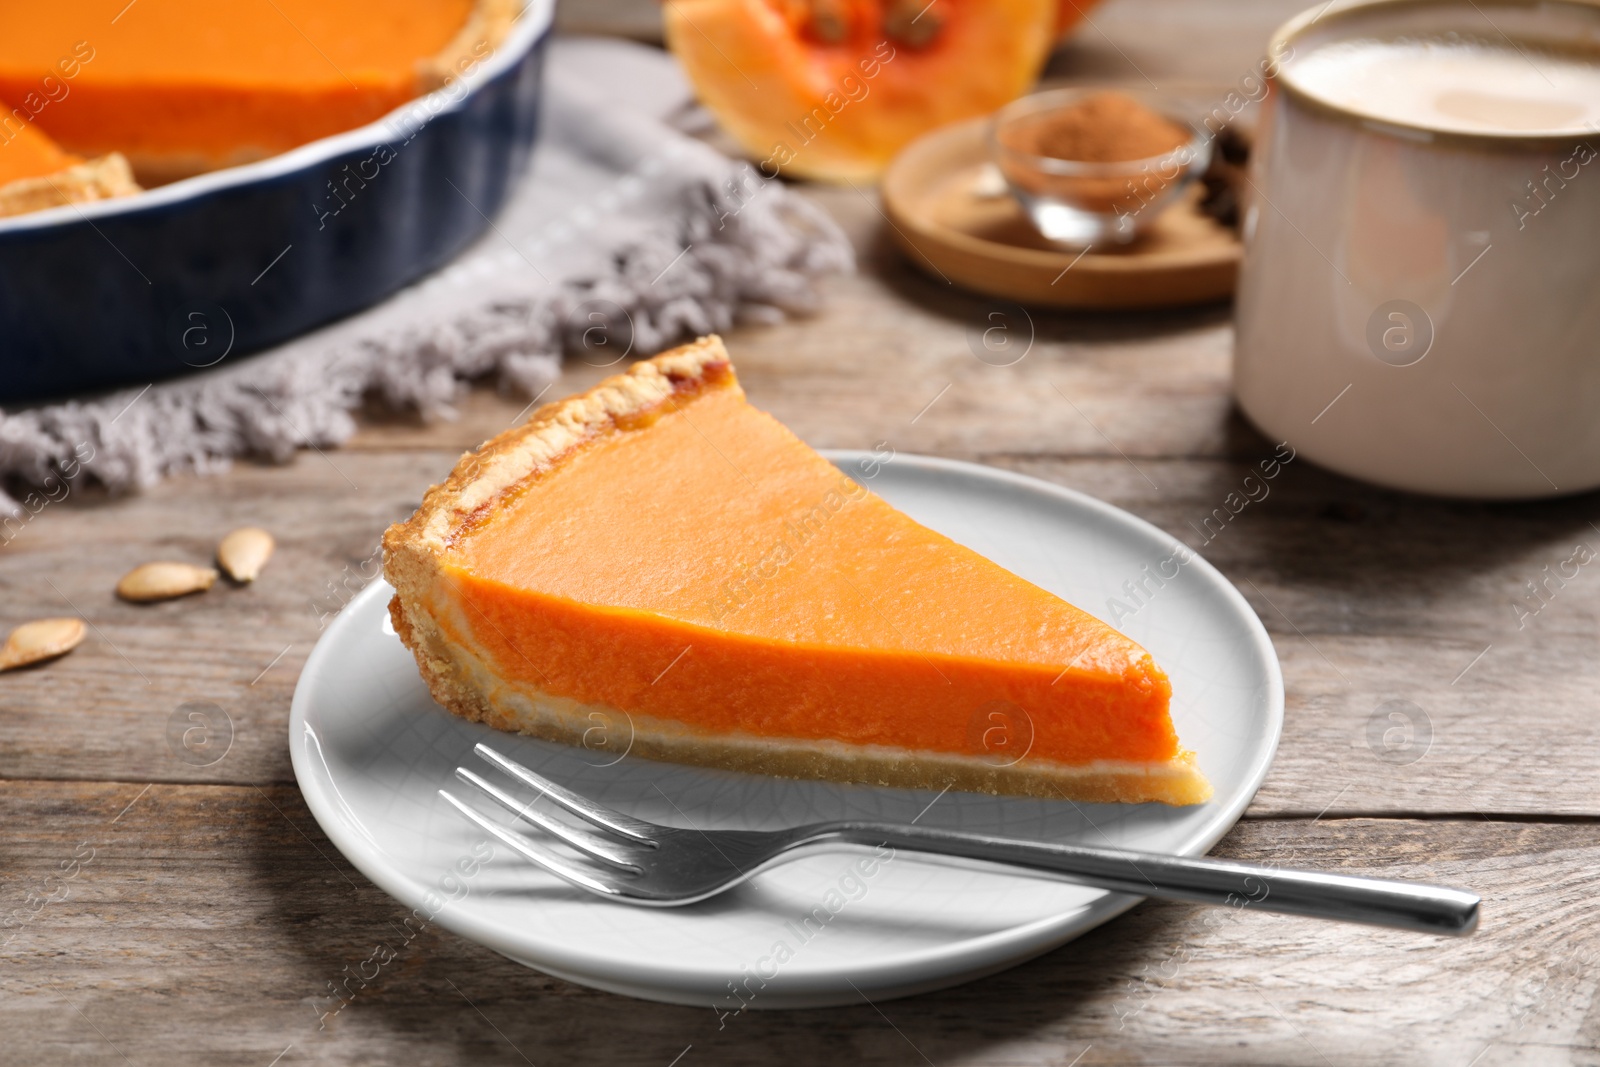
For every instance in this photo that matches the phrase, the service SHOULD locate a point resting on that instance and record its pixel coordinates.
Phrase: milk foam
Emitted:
(1456, 85)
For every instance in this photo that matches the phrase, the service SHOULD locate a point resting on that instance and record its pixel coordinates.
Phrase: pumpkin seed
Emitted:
(829, 21)
(41, 640)
(163, 581)
(912, 23)
(244, 552)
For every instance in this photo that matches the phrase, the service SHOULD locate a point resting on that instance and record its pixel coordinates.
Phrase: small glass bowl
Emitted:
(1081, 204)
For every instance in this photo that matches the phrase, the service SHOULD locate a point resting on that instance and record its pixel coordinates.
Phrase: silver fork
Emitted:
(643, 863)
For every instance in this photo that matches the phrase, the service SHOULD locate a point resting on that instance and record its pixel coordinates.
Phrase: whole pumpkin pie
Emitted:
(659, 560)
(183, 86)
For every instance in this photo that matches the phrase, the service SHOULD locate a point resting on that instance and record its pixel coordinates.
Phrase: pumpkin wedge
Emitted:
(832, 89)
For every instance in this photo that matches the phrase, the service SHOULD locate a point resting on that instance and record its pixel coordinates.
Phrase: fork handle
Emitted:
(1317, 894)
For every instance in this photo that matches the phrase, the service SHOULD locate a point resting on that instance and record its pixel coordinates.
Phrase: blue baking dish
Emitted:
(123, 292)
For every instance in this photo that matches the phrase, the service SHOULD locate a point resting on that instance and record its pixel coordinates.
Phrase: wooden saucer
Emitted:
(951, 212)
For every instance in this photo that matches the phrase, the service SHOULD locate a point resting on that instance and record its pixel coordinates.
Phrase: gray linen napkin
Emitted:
(626, 236)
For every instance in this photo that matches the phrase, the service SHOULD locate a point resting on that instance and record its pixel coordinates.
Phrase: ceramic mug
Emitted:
(1420, 307)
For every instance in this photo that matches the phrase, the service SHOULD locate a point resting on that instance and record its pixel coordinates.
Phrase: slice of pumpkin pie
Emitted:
(36, 173)
(658, 557)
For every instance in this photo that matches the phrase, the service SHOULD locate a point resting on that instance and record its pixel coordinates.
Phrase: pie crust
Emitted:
(96, 179)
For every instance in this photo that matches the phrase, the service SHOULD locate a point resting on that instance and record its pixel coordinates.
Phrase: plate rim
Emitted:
(646, 979)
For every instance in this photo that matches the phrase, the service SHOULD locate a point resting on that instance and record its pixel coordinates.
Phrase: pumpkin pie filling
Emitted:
(182, 86)
(28, 153)
(662, 554)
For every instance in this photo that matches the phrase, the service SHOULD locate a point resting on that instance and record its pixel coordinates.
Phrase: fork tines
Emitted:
(594, 846)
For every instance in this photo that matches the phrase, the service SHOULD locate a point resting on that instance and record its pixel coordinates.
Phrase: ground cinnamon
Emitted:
(1104, 127)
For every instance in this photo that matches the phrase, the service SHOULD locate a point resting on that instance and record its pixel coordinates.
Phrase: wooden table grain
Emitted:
(155, 911)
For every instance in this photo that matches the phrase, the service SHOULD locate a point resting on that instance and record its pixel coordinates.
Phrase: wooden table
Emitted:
(162, 912)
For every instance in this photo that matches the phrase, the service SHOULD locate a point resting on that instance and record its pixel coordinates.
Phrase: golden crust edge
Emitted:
(488, 24)
(102, 178)
(458, 684)
(505, 462)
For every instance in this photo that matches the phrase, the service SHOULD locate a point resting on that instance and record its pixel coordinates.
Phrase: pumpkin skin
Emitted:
(839, 109)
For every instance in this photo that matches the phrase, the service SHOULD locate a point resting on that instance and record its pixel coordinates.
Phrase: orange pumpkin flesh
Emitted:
(834, 89)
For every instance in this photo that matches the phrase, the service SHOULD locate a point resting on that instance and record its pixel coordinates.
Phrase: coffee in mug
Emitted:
(1418, 302)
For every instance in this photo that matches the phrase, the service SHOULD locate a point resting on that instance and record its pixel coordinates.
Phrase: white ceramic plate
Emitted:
(371, 750)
